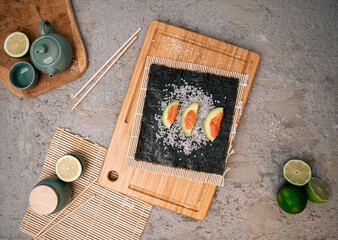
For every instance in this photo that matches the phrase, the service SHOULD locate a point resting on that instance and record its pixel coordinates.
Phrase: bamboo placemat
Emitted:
(173, 171)
(110, 215)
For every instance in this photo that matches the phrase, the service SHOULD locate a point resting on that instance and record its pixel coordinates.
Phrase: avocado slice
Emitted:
(212, 123)
(167, 123)
(188, 126)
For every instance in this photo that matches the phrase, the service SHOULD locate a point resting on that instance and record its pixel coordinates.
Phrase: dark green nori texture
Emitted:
(152, 150)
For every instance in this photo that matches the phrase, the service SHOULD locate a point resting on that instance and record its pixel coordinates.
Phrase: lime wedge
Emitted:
(317, 191)
(16, 44)
(297, 172)
(68, 168)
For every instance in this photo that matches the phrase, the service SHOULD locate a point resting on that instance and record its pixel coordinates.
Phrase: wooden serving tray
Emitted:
(25, 16)
(187, 197)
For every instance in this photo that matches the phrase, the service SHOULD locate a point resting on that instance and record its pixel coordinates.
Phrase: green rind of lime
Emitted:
(291, 199)
(16, 45)
(317, 191)
(297, 172)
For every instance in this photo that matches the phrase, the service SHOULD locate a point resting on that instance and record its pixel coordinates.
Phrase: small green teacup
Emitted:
(23, 75)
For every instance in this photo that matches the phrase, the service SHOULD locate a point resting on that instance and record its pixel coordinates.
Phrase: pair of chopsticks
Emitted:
(121, 50)
(44, 230)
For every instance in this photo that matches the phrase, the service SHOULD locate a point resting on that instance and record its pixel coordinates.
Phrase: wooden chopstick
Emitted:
(106, 63)
(65, 217)
(51, 221)
(104, 73)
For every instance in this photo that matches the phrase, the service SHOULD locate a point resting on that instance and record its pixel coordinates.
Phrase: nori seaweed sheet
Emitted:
(214, 154)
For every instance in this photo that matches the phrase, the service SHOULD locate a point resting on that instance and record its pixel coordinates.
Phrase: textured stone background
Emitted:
(291, 112)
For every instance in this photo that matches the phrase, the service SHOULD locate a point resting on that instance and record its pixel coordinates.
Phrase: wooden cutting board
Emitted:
(190, 198)
(25, 16)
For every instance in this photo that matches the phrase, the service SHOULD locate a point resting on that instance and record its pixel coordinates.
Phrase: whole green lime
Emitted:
(291, 199)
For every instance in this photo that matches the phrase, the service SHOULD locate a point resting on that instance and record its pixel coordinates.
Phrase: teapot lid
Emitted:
(45, 51)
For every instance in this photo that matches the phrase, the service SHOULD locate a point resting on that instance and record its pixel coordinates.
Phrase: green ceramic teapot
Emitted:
(50, 52)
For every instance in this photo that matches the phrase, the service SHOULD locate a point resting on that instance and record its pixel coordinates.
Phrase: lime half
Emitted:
(16, 44)
(317, 191)
(297, 172)
(68, 168)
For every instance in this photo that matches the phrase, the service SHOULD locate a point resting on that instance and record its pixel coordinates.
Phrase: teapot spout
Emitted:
(51, 71)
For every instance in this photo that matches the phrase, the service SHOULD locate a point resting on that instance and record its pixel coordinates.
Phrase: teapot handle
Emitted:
(44, 23)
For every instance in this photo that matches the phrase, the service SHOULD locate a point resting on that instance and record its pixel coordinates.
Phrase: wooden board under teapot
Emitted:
(25, 16)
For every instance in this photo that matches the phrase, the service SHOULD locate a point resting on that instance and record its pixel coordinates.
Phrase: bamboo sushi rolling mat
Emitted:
(110, 215)
(174, 171)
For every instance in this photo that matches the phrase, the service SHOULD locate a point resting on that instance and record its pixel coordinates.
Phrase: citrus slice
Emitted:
(169, 114)
(16, 44)
(188, 118)
(212, 123)
(68, 168)
(317, 191)
(291, 199)
(297, 172)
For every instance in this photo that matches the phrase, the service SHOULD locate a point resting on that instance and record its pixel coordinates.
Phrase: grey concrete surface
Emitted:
(291, 112)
